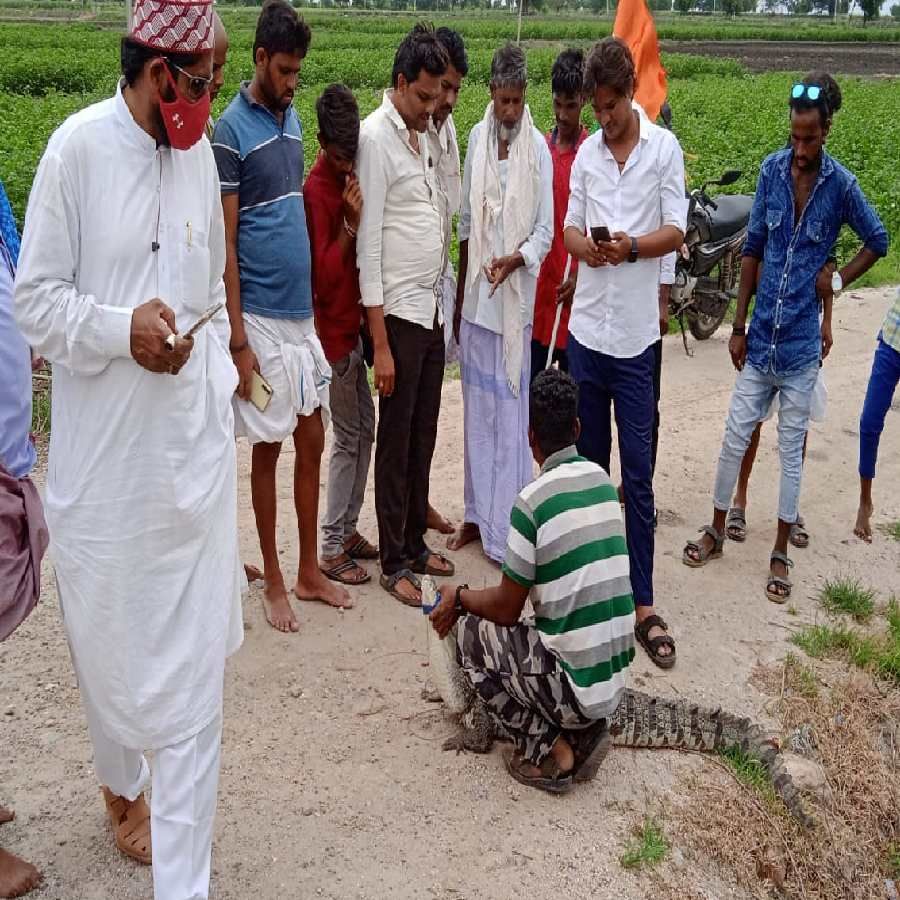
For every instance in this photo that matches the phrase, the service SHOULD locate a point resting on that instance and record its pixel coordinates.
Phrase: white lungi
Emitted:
(292, 361)
(185, 781)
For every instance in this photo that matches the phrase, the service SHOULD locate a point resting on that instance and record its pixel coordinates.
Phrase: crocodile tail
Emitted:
(644, 721)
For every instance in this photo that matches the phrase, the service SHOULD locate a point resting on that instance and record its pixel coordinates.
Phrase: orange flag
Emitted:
(634, 25)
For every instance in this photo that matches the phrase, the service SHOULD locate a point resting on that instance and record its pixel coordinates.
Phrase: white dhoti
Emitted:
(292, 361)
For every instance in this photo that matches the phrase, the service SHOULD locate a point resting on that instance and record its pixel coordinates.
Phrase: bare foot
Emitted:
(278, 607)
(6, 815)
(312, 586)
(437, 522)
(17, 877)
(252, 573)
(863, 527)
(467, 533)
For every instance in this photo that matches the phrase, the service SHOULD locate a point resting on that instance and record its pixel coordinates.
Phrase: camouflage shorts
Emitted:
(521, 683)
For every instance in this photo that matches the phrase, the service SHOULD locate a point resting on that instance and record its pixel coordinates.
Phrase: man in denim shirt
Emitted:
(803, 198)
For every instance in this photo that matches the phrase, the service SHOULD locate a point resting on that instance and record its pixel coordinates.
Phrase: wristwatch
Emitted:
(837, 283)
(458, 608)
(633, 255)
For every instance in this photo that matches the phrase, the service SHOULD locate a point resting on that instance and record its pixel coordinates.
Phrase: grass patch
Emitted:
(892, 530)
(875, 653)
(892, 860)
(803, 679)
(892, 614)
(847, 595)
(648, 848)
(750, 772)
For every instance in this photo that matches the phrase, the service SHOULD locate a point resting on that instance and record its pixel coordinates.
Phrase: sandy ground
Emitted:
(333, 782)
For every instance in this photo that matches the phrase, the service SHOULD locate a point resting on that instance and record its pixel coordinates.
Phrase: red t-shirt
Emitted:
(554, 266)
(335, 278)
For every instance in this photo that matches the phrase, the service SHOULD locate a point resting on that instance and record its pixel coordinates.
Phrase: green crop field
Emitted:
(724, 117)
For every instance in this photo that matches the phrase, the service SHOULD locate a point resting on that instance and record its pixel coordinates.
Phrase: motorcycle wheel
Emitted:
(703, 325)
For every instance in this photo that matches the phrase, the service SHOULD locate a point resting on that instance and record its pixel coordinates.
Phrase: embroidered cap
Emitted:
(174, 27)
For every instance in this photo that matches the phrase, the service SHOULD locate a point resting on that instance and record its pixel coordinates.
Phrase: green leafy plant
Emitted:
(648, 847)
(847, 595)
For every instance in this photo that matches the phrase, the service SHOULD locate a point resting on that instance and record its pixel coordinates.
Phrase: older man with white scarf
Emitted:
(124, 251)
(505, 231)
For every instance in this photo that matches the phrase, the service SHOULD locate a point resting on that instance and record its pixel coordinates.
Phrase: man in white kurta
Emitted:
(505, 231)
(141, 487)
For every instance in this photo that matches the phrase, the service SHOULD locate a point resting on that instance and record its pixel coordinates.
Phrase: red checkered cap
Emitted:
(174, 27)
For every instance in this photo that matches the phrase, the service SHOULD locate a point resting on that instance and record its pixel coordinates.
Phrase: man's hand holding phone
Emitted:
(155, 343)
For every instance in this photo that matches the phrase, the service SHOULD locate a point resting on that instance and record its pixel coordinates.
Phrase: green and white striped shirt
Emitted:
(567, 544)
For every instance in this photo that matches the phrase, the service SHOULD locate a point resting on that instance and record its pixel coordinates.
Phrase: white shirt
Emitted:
(445, 152)
(400, 247)
(141, 493)
(616, 308)
(478, 307)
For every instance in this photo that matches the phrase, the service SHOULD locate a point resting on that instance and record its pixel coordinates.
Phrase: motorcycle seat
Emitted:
(732, 215)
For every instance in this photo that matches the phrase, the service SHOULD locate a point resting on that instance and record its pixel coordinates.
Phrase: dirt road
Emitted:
(333, 782)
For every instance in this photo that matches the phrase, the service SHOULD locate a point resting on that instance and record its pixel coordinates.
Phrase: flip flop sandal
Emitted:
(652, 645)
(551, 779)
(778, 588)
(590, 746)
(703, 554)
(341, 573)
(421, 566)
(131, 825)
(390, 582)
(736, 524)
(799, 536)
(362, 549)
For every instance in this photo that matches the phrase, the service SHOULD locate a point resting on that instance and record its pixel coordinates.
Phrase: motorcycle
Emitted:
(708, 266)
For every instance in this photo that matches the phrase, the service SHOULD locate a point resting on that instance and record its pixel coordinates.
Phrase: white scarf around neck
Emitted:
(516, 210)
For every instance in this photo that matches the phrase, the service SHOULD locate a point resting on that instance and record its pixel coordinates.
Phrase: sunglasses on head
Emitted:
(809, 91)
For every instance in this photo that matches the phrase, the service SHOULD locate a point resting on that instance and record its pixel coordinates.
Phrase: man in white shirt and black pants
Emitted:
(402, 254)
(628, 177)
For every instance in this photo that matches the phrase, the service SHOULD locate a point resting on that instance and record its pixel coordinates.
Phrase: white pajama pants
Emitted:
(185, 782)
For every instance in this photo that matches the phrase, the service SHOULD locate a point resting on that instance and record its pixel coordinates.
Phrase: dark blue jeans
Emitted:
(627, 384)
(880, 392)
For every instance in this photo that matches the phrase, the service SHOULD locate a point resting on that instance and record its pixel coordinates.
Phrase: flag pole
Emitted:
(559, 307)
(519, 30)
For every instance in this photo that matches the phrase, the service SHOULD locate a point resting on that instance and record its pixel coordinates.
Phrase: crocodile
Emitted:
(641, 721)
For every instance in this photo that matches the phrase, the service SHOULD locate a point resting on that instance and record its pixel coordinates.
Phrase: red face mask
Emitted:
(184, 121)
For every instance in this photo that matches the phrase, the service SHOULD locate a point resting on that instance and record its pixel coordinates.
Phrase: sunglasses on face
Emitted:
(197, 84)
(810, 91)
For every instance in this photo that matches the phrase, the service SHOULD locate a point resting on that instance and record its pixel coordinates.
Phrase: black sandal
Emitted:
(421, 566)
(551, 778)
(778, 588)
(652, 645)
(346, 573)
(389, 583)
(590, 746)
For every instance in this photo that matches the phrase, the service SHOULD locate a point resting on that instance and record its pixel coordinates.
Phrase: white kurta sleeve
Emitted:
(667, 268)
(217, 263)
(75, 330)
(537, 246)
(373, 184)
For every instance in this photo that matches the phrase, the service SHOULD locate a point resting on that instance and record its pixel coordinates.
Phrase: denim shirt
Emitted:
(784, 335)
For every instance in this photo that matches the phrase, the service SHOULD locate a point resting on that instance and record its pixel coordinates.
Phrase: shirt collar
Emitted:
(567, 454)
(252, 102)
(387, 104)
(643, 125)
(134, 134)
(825, 170)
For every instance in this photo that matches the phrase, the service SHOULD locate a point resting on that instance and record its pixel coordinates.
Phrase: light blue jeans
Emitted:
(753, 393)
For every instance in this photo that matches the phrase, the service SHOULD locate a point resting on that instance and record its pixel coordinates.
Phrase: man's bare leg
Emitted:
(467, 533)
(863, 527)
(262, 489)
(437, 522)
(740, 492)
(309, 442)
(17, 877)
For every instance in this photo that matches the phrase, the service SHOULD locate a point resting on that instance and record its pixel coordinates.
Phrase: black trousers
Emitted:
(407, 432)
(657, 392)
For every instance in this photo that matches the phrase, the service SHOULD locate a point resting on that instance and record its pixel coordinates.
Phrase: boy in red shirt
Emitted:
(333, 205)
(564, 140)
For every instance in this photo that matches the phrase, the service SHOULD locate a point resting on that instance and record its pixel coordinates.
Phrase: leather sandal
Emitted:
(590, 746)
(696, 555)
(131, 825)
(652, 645)
(736, 524)
(390, 582)
(551, 778)
(361, 549)
(778, 588)
(423, 566)
(799, 536)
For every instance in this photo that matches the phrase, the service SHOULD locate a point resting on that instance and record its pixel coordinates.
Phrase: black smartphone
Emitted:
(600, 233)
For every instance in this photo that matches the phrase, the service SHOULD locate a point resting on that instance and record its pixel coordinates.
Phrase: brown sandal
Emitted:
(348, 572)
(361, 549)
(131, 825)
